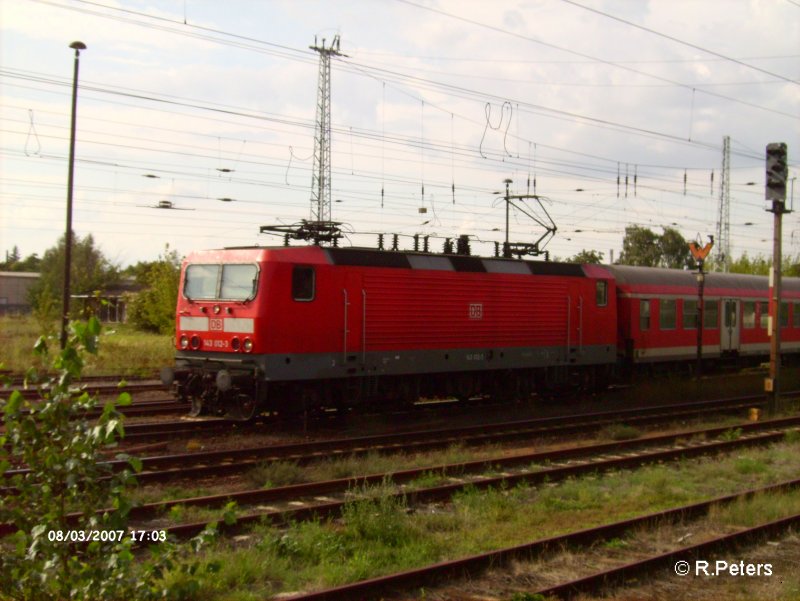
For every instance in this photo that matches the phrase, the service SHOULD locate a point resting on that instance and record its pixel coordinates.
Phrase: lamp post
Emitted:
(77, 46)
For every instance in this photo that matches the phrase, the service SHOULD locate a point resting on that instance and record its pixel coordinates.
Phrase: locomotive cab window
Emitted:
(228, 281)
(200, 282)
(238, 282)
(601, 295)
(303, 283)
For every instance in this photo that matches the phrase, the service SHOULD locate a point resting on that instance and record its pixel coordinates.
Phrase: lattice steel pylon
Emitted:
(724, 219)
(321, 174)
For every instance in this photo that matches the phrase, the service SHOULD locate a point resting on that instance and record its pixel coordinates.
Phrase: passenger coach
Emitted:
(658, 314)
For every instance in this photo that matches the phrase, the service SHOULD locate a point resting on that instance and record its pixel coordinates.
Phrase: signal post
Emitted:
(775, 191)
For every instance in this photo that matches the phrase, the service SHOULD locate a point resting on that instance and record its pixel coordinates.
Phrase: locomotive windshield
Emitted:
(228, 281)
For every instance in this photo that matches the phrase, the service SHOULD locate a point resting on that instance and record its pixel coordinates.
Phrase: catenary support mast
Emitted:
(321, 174)
(724, 220)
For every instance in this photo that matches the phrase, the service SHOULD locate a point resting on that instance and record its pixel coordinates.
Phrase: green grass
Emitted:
(383, 535)
(620, 432)
(123, 349)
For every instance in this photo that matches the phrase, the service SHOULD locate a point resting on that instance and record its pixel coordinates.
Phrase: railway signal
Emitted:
(777, 172)
(700, 253)
(775, 190)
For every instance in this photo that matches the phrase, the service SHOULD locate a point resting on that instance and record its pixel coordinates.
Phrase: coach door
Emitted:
(353, 318)
(729, 332)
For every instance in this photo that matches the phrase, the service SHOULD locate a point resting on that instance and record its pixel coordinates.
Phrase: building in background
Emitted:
(14, 286)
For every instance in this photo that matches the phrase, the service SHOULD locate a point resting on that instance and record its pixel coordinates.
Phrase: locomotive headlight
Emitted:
(195, 342)
(248, 345)
(217, 309)
(184, 341)
(236, 344)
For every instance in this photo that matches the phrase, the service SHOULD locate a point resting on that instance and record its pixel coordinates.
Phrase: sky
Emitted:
(434, 105)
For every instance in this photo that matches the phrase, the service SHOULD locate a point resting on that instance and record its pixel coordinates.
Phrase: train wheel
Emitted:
(243, 408)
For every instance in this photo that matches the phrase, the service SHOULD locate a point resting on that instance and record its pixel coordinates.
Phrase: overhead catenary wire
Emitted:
(429, 149)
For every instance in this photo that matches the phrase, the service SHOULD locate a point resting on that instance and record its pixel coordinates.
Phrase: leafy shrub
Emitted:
(153, 309)
(66, 492)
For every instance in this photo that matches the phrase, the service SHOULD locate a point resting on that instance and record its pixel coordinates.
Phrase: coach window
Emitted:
(784, 314)
(601, 296)
(667, 314)
(796, 317)
(644, 314)
(303, 283)
(711, 314)
(764, 312)
(749, 314)
(689, 314)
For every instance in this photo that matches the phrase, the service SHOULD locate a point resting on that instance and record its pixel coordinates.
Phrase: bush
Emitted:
(66, 493)
(65, 487)
(153, 309)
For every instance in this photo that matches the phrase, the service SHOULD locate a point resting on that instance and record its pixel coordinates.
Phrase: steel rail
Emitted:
(603, 580)
(218, 463)
(35, 392)
(474, 564)
(165, 467)
(480, 434)
(328, 507)
(444, 492)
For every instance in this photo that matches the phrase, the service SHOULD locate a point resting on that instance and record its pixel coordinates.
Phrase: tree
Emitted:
(153, 309)
(587, 256)
(674, 248)
(641, 246)
(14, 263)
(90, 271)
(758, 265)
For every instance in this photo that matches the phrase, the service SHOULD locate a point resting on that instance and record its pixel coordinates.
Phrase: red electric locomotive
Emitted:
(290, 328)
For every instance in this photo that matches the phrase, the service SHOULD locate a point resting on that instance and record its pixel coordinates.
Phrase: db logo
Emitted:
(215, 325)
(476, 311)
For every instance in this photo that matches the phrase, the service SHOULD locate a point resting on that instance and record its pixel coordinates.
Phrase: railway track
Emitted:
(284, 504)
(304, 501)
(307, 501)
(470, 566)
(226, 462)
(98, 388)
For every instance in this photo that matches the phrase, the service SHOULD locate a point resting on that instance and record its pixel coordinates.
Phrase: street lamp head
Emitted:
(78, 46)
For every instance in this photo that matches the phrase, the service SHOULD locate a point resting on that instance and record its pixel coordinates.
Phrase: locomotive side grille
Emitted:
(438, 310)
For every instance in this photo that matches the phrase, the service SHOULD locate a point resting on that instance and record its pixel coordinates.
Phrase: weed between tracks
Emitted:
(383, 535)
